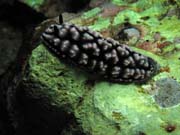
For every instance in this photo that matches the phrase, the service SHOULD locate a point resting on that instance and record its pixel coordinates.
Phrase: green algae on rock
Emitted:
(91, 13)
(105, 108)
(34, 3)
(100, 24)
(130, 15)
(115, 109)
(59, 79)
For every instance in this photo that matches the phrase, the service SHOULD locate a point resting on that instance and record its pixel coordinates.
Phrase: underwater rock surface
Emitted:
(10, 42)
(104, 108)
(168, 92)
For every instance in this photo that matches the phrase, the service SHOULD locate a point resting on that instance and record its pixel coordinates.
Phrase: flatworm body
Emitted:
(104, 58)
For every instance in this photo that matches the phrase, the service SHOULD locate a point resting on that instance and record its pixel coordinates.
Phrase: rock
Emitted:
(104, 108)
(53, 8)
(101, 108)
(176, 40)
(41, 91)
(130, 34)
(173, 11)
(2, 2)
(10, 42)
(74, 6)
(168, 92)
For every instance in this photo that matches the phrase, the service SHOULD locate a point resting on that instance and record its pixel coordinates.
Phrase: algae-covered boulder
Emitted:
(104, 108)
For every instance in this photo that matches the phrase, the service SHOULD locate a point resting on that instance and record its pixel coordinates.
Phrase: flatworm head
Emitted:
(102, 57)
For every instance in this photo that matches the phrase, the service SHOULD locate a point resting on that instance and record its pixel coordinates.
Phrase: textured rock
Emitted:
(130, 34)
(105, 108)
(10, 42)
(168, 92)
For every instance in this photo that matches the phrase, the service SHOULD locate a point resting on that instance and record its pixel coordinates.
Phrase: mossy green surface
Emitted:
(127, 15)
(91, 13)
(34, 3)
(140, 112)
(155, 22)
(107, 108)
(135, 14)
(64, 86)
(101, 23)
(169, 28)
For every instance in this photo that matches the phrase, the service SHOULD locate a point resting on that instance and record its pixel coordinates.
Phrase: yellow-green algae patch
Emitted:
(174, 64)
(100, 24)
(64, 85)
(153, 10)
(91, 13)
(169, 28)
(34, 3)
(139, 4)
(106, 108)
(127, 15)
(140, 112)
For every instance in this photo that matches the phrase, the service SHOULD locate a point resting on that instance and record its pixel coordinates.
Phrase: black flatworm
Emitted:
(102, 57)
